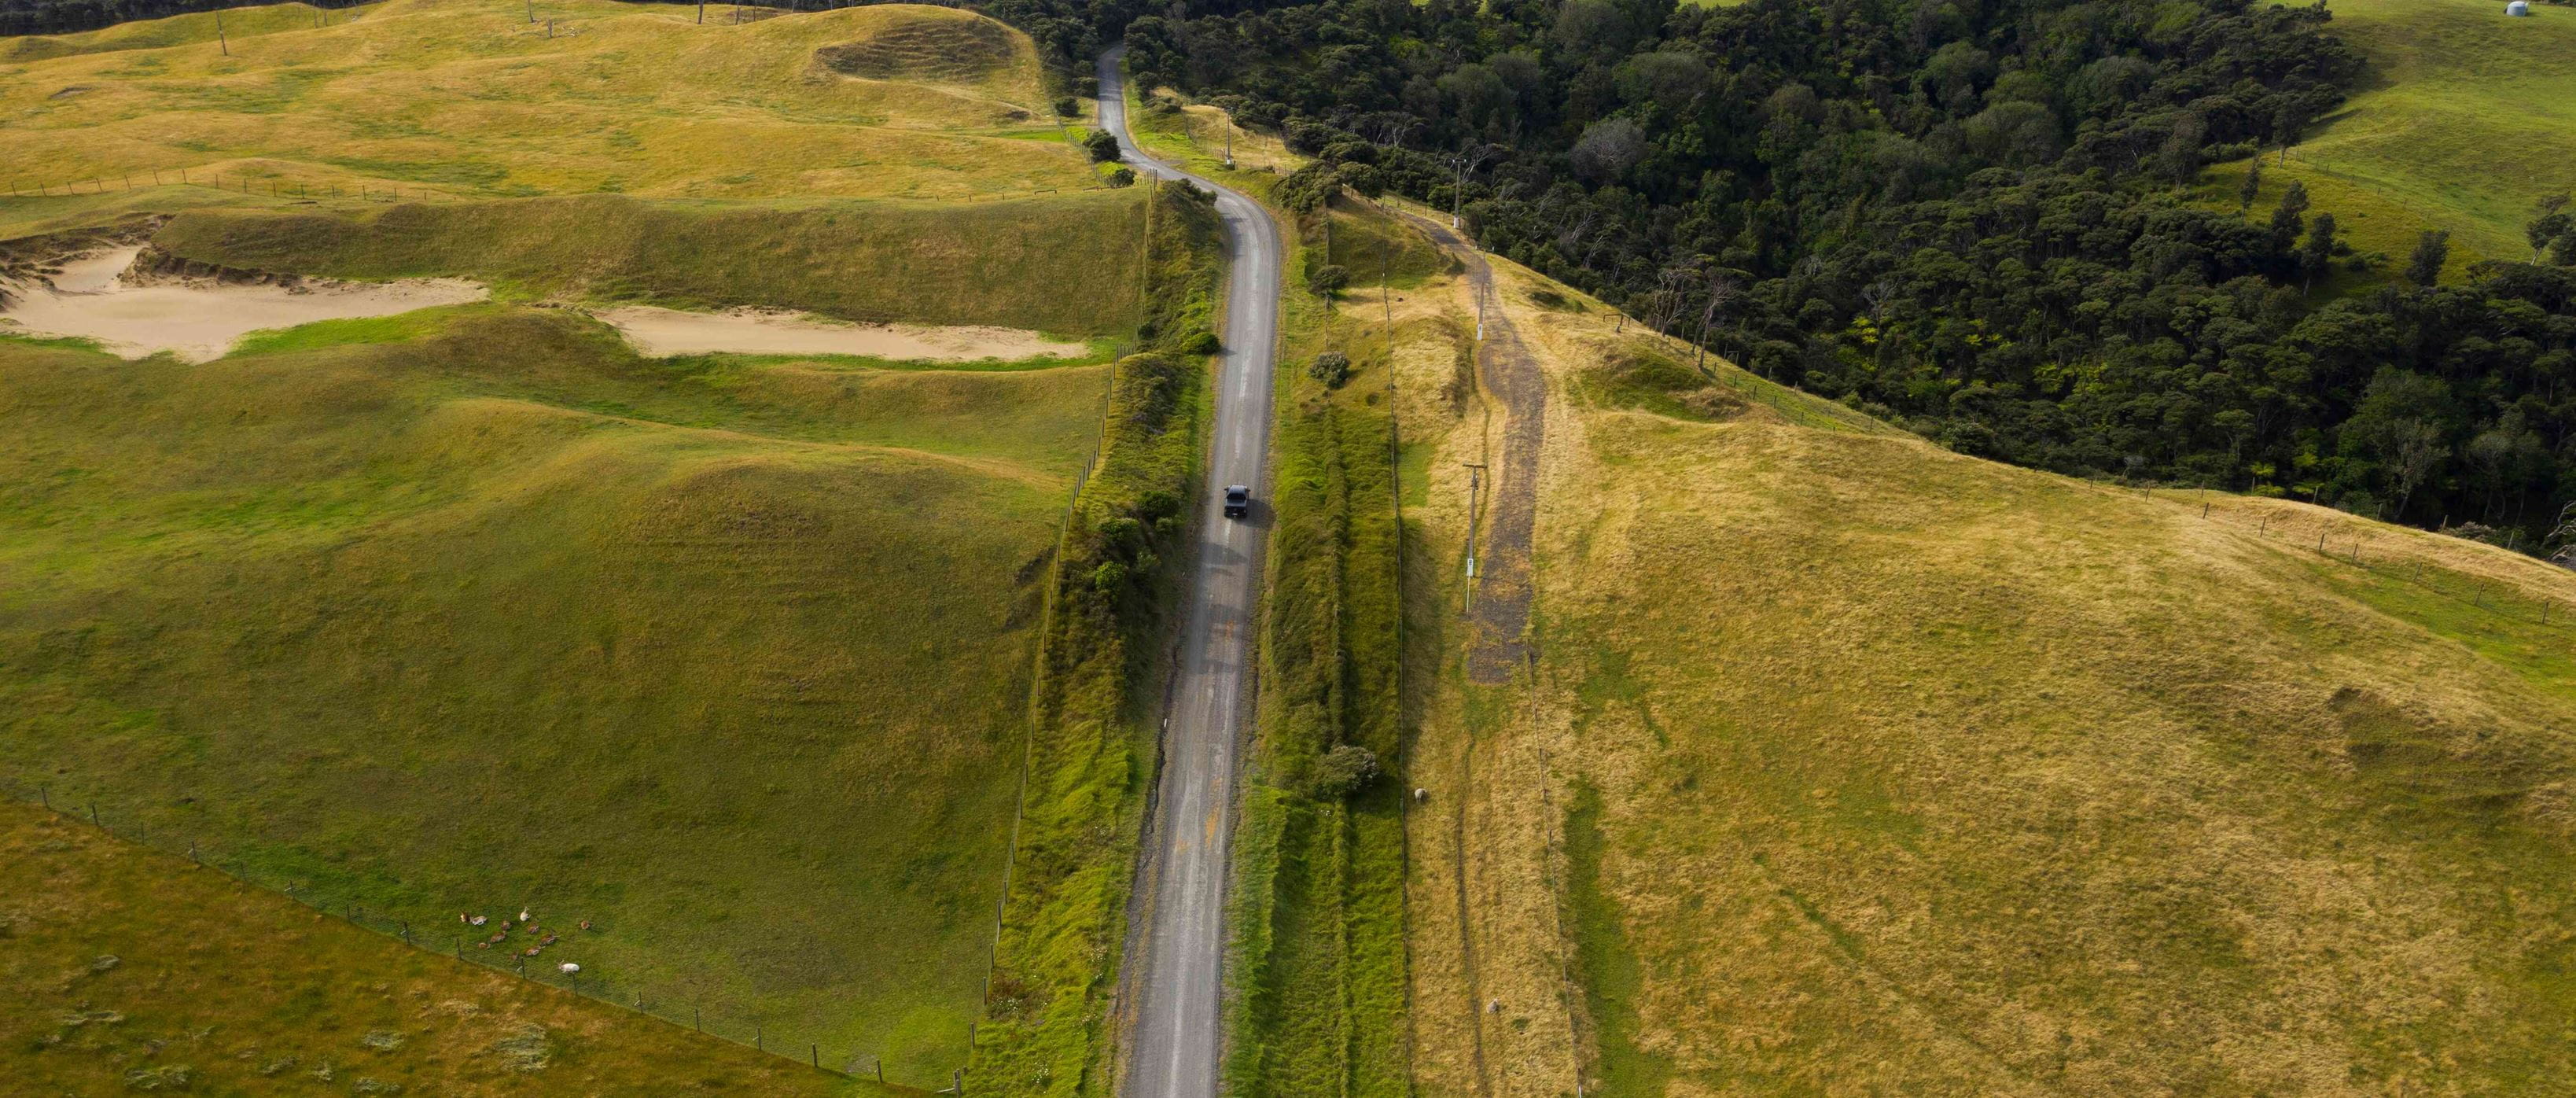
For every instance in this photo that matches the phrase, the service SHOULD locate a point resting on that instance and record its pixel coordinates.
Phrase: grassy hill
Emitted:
(132, 970)
(728, 657)
(1850, 765)
(178, 30)
(472, 99)
(472, 610)
(2465, 118)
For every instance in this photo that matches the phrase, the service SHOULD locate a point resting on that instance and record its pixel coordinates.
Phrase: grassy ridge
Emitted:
(473, 100)
(1063, 264)
(129, 969)
(176, 30)
(727, 658)
(1092, 729)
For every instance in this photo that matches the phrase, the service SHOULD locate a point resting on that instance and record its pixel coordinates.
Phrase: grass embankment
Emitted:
(474, 100)
(2465, 119)
(129, 969)
(1092, 728)
(1065, 264)
(475, 610)
(1873, 767)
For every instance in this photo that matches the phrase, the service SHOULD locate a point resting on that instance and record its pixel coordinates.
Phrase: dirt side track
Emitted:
(1501, 613)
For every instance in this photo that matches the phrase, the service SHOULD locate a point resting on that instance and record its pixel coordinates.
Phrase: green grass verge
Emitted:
(1604, 965)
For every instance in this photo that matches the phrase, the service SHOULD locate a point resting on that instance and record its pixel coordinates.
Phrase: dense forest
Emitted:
(1964, 216)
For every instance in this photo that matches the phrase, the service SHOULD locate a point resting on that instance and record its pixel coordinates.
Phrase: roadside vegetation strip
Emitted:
(1091, 746)
(131, 969)
(490, 612)
(1317, 967)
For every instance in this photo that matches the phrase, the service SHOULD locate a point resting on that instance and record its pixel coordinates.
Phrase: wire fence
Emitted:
(22, 187)
(516, 950)
(2396, 555)
(381, 191)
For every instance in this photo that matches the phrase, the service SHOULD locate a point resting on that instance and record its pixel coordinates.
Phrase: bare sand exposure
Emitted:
(663, 332)
(199, 319)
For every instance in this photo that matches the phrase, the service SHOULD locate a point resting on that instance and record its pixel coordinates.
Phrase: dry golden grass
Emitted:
(1894, 771)
(470, 99)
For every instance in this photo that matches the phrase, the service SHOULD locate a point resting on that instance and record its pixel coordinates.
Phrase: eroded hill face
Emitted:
(952, 51)
(1854, 764)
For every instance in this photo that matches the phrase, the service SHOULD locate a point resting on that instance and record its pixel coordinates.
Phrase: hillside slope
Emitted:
(1845, 764)
(477, 610)
(132, 970)
(727, 657)
(476, 100)
(2464, 119)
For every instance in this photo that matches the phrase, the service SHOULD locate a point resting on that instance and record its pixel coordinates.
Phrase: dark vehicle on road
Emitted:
(1238, 501)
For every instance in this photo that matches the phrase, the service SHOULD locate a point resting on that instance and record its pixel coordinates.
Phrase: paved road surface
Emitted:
(1175, 960)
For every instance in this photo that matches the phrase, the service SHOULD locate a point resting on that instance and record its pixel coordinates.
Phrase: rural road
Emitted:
(1173, 980)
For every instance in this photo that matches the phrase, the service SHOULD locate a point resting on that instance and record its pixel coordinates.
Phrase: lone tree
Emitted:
(2319, 250)
(1102, 145)
(2432, 250)
(2549, 221)
(1331, 367)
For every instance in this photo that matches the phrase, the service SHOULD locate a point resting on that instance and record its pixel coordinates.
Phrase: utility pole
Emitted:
(1384, 264)
(1475, 486)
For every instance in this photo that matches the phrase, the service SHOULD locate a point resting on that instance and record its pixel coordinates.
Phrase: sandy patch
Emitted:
(664, 332)
(198, 319)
